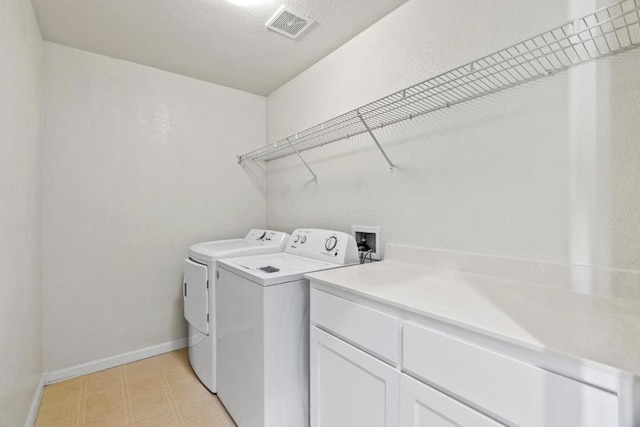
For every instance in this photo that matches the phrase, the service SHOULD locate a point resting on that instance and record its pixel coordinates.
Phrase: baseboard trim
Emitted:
(35, 404)
(113, 361)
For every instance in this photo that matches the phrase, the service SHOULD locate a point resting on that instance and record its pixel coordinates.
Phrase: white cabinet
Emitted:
(521, 394)
(373, 365)
(349, 388)
(422, 406)
(376, 332)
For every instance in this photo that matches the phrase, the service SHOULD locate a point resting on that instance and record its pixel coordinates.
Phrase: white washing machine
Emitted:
(199, 293)
(263, 328)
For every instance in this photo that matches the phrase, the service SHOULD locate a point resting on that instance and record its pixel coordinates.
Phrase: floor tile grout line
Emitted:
(85, 391)
(99, 385)
(174, 404)
(128, 397)
(123, 387)
(51, 399)
(127, 401)
(167, 389)
(78, 409)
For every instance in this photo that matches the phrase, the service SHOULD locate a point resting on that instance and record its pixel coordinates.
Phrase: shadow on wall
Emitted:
(624, 160)
(557, 152)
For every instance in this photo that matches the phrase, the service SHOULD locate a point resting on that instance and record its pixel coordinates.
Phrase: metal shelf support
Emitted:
(293, 147)
(376, 141)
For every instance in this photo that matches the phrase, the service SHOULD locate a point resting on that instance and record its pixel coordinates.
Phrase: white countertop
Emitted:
(591, 329)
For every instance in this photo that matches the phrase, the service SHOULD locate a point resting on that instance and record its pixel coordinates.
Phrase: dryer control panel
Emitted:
(266, 236)
(325, 245)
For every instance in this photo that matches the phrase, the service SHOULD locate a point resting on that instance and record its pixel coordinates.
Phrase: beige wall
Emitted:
(138, 165)
(543, 171)
(20, 210)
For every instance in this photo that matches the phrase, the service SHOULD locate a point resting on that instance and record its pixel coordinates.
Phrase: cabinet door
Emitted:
(423, 406)
(515, 391)
(349, 388)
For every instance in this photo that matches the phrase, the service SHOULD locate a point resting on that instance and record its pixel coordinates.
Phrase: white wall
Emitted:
(138, 165)
(20, 210)
(544, 171)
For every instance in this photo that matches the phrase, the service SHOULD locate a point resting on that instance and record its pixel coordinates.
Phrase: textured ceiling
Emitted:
(211, 40)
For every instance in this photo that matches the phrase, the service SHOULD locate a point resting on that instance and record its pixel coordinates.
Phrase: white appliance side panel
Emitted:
(202, 357)
(286, 329)
(349, 388)
(240, 369)
(422, 406)
(195, 295)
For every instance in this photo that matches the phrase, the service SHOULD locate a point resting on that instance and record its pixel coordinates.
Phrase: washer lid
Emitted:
(255, 243)
(276, 268)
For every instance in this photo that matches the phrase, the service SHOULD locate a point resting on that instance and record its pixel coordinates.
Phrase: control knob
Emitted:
(331, 243)
(303, 239)
(296, 238)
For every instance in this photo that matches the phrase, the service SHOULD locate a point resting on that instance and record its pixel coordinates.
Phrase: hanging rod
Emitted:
(607, 31)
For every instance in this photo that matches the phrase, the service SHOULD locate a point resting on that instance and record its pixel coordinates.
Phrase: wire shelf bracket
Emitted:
(293, 147)
(607, 31)
(364, 123)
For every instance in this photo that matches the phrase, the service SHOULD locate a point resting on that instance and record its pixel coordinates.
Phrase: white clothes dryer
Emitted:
(263, 328)
(199, 293)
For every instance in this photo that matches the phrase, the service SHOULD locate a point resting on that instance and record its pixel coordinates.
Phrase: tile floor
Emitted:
(159, 391)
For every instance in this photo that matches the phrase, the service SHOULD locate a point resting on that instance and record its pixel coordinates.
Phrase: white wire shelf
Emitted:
(607, 31)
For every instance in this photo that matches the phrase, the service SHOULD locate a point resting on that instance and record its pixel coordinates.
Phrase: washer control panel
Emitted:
(265, 236)
(326, 245)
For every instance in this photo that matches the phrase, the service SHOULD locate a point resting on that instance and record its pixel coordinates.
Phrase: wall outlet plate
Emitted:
(369, 238)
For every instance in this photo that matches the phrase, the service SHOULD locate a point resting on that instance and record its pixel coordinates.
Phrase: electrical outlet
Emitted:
(368, 241)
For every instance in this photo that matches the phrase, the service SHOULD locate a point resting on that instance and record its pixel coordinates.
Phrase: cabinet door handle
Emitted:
(185, 289)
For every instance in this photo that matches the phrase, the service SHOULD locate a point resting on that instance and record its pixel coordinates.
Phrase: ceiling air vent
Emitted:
(289, 23)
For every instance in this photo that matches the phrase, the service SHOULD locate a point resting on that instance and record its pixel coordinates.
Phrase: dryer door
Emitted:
(196, 295)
